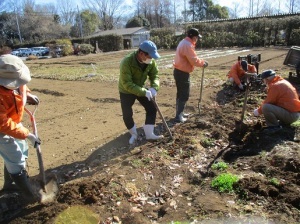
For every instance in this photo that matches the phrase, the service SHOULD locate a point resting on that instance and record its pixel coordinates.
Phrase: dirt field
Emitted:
(85, 143)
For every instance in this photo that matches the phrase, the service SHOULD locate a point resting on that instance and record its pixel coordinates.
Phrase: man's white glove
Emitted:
(148, 95)
(153, 92)
(205, 64)
(241, 86)
(256, 113)
(32, 99)
(33, 139)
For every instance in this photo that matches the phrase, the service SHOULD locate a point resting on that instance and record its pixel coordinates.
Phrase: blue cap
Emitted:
(267, 73)
(244, 65)
(150, 48)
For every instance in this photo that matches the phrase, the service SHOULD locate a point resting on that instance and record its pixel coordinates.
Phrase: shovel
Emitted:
(240, 124)
(201, 88)
(162, 118)
(49, 187)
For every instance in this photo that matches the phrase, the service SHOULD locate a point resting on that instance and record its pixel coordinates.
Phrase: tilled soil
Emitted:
(104, 180)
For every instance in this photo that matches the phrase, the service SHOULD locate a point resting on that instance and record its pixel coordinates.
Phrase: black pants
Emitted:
(182, 80)
(127, 101)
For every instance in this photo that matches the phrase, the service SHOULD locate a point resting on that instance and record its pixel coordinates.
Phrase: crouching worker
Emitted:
(135, 68)
(239, 72)
(14, 75)
(282, 102)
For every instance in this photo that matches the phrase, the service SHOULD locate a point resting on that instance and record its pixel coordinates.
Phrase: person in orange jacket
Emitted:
(185, 62)
(14, 75)
(282, 102)
(239, 71)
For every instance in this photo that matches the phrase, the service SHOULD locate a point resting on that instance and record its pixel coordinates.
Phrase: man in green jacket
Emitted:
(135, 68)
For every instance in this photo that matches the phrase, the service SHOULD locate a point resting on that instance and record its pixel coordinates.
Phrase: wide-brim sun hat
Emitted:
(150, 48)
(13, 71)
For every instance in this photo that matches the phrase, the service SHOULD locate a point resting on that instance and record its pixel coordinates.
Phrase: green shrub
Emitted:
(86, 48)
(224, 182)
(219, 166)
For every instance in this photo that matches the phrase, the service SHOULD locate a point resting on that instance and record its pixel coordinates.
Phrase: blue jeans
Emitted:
(14, 152)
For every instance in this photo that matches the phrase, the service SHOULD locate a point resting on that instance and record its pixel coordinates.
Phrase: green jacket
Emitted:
(132, 78)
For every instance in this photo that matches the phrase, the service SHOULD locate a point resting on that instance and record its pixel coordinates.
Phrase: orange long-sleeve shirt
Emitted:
(281, 93)
(186, 58)
(11, 114)
(236, 72)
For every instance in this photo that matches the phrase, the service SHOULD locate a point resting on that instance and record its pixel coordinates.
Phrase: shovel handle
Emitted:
(162, 117)
(37, 146)
(201, 89)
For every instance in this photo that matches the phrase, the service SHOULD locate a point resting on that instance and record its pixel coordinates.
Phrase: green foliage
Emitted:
(108, 43)
(66, 45)
(77, 214)
(163, 38)
(207, 142)
(224, 182)
(138, 21)
(219, 166)
(274, 181)
(86, 48)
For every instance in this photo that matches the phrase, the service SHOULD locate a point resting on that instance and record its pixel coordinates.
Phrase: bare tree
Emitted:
(109, 11)
(67, 11)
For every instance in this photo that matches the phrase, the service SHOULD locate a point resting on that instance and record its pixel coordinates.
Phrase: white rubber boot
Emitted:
(182, 119)
(134, 135)
(148, 129)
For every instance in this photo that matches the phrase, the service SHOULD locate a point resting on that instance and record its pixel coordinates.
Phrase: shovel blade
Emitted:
(46, 192)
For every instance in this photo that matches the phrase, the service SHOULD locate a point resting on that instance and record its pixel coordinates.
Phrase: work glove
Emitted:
(33, 140)
(205, 64)
(153, 92)
(149, 95)
(32, 99)
(256, 113)
(241, 86)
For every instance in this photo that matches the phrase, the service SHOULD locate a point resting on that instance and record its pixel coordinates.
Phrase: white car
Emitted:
(39, 51)
(15, 52)
(24, 52)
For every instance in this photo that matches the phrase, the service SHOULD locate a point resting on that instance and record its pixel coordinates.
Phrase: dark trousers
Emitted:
(182, 80)
(127, 101)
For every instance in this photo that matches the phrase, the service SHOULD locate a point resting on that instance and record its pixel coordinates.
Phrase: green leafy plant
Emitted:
(219, 166)
(224, 182)
(274, 181)
(207, 142)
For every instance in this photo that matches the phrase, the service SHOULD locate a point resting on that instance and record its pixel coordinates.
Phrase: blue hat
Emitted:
(267, 73)
(244, 65)
(150, 48)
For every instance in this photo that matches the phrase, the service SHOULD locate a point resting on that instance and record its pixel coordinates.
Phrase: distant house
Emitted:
(132, 37)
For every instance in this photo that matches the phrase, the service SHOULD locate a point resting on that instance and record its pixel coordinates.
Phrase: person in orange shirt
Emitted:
(14, 75)
(185, 61)
(239, 71)
(282, 102)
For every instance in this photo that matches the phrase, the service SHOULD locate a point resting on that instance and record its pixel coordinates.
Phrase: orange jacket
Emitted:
(11, 114)
(281, 93)
(236, 72)
(186, 58)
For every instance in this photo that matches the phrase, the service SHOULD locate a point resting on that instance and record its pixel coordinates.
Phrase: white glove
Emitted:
(153, 92)
(205, 64)
(148, 95)
(256, 113)
(33, 139)
(241, 86)
(32, 99)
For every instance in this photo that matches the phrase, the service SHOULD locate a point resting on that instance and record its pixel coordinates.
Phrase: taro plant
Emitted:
(224, 182)
(219, 166)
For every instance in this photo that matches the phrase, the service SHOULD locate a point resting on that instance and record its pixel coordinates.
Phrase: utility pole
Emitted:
(20, 37)
(80, 23)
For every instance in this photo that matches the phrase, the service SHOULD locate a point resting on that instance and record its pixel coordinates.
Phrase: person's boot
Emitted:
(179, 111)
(22, 181)
(8, 185)
(134, 135)
(148, 129)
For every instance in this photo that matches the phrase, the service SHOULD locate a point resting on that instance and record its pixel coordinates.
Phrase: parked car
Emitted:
(40, 51)
(24, 52)
(15, 52)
